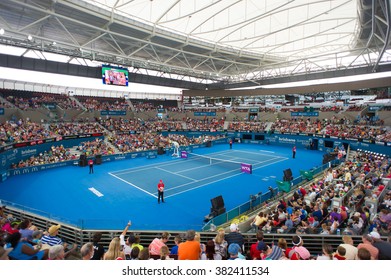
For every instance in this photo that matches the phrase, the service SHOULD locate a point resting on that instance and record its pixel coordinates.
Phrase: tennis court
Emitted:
(124, 190)
(196, 171)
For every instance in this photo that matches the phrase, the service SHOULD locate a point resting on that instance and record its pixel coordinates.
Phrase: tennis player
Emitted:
(175, 145)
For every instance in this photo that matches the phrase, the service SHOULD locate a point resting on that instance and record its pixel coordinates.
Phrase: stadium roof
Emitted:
(219, 44)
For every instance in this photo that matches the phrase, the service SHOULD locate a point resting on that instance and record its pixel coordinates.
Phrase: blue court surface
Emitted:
(127, 190)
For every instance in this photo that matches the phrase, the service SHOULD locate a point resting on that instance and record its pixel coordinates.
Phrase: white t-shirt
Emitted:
(126, 248)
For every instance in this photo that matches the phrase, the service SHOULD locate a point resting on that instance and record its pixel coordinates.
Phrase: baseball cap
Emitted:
(233, 227)
(233, 249)
(261, 246)
(375, 234)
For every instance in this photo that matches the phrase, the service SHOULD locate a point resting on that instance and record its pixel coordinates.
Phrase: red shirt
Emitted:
(338, 257)
(90, 162)
(254, 252)
(160, 186)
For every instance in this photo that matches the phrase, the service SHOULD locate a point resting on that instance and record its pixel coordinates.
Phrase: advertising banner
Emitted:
(246, 168)
(113, 113)
(208, 114)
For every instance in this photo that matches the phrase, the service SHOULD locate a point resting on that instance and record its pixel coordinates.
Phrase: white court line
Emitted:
(133, 185)
(202, 184)
(205, 178)
(218, 180)
(217, 163)
(137, 169)
(95, 191)
(267, 151)
(175, 173)
(146, 167)
(257, 153)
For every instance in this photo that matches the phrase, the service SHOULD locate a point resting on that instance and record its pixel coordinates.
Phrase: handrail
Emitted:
(258, 201)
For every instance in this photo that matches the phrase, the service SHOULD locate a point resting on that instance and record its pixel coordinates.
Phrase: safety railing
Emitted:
(261, 199)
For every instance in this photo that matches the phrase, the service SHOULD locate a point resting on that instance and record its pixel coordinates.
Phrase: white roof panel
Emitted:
(275, 27)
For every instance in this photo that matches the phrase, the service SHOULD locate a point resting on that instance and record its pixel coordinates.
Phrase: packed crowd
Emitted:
(95, 147)
(297, 126)
(356, 131)
(310, 209)
(337, 127)
(22, 131)
(65, 129)
(103, 103)
(206, 124)
(54, 155)
(120, 126)
(336, 202)
(247, 126)
(127, 143)
(21, 240)
(26, 130)
(32, 100)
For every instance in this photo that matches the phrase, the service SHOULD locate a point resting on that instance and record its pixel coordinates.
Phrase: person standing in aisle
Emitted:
(160, 191)
(91, 164)
(294, 152)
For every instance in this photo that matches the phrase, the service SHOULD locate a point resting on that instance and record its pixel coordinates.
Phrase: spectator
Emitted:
(37, 235)
(363, 254)
(383, 246)
(221, 245)
(126, 246)
(327, 253)
(270, 253)
(298, 251)
(341, 253)
(233, 251)
(22, 250)
(87, 251)
(190, 249)
(259, 221)
(157, 243)
(134, 240)
(164, 253)
(4, 253)
(174, 249)
(114, 252)
(255, 254)
(210, 253)
(235, 236)
(367, 241)
(26, 229)
(51, 238)
(351, 251)
(144, 255)
(99, 250)
(134, 254)
(56, 252)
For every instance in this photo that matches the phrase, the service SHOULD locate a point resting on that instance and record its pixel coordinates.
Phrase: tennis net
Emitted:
(227, 164)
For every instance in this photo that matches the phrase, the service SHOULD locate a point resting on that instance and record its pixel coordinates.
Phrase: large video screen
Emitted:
(115, 76)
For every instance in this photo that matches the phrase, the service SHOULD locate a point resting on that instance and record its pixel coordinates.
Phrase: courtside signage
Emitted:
(246, 168)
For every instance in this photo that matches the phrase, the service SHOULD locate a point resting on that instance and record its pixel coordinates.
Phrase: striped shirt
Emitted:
(51, 240)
